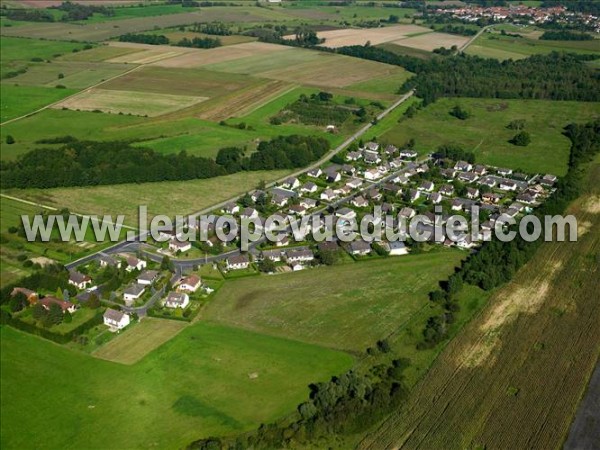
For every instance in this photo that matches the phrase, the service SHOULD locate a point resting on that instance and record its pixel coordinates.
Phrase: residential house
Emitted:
(291, 183)
(177, 300)
(448, 174)
(354, 183)
(79, 280)
(256, 195)
(426, 186)
(132, 263)
(282, 241)
(372, 146)
(31, 296)
(191, 283)
(414, 195)
(316, 173)
(343, 191)
(273, 255)
(472, 193)
(507, 185)
(371, 157)
(107, 260)
(333, 176)
(397, 248)
(407, 213)
(249, 213)
(463, 166)
(390, 150)
(348, 169)
(238, 262)
(133, 292)
(360, 247)
(231, 208)
(360, 202)
(147, 277)
(328, 195)
(309, 187)
(435, 198)
(447, 190)
(115, 320)
(345, 213)
(468, 177)
(372, 174)
(308, 203)
(526, 198)
(279, 200)
(374, 194)
(46, 302)
(387, 208)
(298, 210)
(488, 181)
(504, 172)
(175, 245)
(408, 153)
(301, 255)
(490, 197)
(479, 169)
(392, 189)
(353, 156)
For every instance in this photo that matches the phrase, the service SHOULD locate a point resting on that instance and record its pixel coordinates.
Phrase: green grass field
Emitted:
(169, 197)
(348, 307)
(485, 132)
(493, 45)
(21, 100)
(196, 385)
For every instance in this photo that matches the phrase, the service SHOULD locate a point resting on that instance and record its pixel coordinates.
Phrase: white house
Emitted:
(309, 187)
(328, 195)
(397, 248)
(249, 213)
(231, 208)
(133, 292)
(175, 245)
(147, 277)
(408, 153)
(360, 247)
(372, 174)
(132, 263)
(346, 213)
(115, 320)
(238, 262)
(190, 283)
(315, 173)
(79, 280)
(177, 300)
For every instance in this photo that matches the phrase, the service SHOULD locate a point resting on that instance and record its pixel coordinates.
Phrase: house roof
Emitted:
(113, 314)
(134, 289)
(238, 259)
(360, 245)
(191, 280)
(148, 275)
(47, 301)
(176, 297)
(27, 292)
(78, 277)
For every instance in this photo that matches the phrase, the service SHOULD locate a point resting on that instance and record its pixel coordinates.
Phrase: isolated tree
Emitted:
(9, 139)
(55, 314)
(521, 139)
(18, 302)
(167, 264)
(459, 113)
(266, 265)
(517, 124)
(93, 302)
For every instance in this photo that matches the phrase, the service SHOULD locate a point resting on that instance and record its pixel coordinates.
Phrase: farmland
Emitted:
(343, 37)
(21, 100)
(340, 307)
(170, 197)
(149, 334)
(196, 380)
(128, 102)
(529, 353)
(485, 132)
(493, 45)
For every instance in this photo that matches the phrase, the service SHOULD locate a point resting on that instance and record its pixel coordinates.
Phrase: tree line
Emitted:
(565, 35)
(555, 76)
(497, 262)
(155, 39)
(89, 163)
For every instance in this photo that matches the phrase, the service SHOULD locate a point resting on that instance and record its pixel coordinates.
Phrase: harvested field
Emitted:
(245, 101)
(431, 41)
(98, 54)
(196, 82)
(360, 36)
(197, 58)
(147, 55)
(524, 391)
(149, 334)
(128, 102)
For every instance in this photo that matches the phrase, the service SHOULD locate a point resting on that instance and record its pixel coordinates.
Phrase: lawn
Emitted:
(485, 132)
(208, 380)
(169, 197)
(347, 307)
(21, 100)
(133, 344)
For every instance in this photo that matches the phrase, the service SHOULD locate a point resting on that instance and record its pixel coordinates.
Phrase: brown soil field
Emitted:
(360, 36)
(330, 70)
(432, 41)
(200, 58)
(514, 376)
(244, 101)
(196, 82)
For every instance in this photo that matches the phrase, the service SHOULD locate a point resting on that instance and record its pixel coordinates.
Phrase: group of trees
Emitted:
(521, 139)
(457, 29)
(497, 262)
(88, 163)
(346, 404)
(556, 76)
(156, 39)
(460, 113)
(316, 109)
(78, 11)
(564, 35)
(28, 15)
(214, 28)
